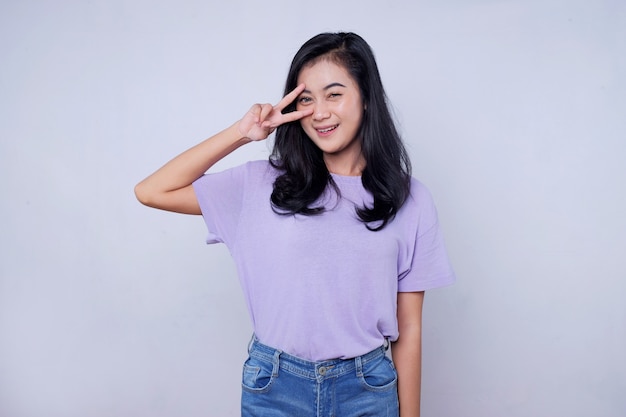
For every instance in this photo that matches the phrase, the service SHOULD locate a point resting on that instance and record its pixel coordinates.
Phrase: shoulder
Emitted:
(253, 173)
(250, 169)
(258, 165)
(260, 170)
(419, 206)
(419, 193)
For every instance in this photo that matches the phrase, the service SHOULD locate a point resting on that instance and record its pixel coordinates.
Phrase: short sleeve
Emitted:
(220, 196)
(429, 266)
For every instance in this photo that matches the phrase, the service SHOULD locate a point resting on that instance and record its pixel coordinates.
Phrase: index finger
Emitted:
(296, 115)
(289, 98)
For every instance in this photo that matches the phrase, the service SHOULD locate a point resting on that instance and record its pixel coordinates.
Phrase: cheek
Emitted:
(351, 111)
(306, 127)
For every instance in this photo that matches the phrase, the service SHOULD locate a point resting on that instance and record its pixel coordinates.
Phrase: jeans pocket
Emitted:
(257, 375)
(379, 375)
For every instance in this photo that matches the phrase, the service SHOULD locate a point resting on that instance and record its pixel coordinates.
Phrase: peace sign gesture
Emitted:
(262, 119)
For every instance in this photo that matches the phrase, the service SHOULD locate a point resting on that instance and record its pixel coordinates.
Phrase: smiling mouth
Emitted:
(327, 129)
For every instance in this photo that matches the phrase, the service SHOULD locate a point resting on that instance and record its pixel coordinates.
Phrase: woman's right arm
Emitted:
(169, 188)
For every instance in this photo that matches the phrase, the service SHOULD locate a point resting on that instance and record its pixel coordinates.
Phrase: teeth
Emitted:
(326, 130)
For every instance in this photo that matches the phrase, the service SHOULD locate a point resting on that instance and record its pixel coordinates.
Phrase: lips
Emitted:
(326, 130)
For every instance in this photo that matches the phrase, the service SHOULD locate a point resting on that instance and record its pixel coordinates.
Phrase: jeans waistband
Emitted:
(309, 369)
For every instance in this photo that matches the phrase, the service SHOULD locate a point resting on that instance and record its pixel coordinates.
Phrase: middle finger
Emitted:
(289, 98)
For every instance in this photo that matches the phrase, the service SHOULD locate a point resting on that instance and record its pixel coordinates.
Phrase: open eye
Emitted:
(304, 100)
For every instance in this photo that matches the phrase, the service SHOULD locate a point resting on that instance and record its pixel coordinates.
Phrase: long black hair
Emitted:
(388, 169)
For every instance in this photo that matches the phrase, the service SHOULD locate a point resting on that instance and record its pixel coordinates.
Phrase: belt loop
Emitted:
(387, 343)
(359, 366)
(277, 354)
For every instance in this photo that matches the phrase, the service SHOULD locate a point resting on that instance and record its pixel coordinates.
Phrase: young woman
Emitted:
(333, 240)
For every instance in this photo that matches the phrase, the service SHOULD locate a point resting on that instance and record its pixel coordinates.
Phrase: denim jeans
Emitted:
(276, 384)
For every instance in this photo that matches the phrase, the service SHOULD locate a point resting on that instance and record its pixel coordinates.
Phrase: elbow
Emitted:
(179, 201)
(143, 195)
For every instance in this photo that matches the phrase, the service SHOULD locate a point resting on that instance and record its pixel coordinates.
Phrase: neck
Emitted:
(342, 166)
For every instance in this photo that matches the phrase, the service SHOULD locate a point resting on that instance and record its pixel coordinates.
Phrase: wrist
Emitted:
(236, 136)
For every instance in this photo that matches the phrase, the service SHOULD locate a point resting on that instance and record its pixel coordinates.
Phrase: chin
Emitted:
(327, 149)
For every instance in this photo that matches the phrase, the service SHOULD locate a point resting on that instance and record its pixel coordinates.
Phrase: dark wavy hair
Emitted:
(305, 175)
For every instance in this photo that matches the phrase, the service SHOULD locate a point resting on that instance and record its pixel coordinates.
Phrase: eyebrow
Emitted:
(331, 85)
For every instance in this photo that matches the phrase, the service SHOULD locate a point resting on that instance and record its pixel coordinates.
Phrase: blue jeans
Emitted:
(276, 384)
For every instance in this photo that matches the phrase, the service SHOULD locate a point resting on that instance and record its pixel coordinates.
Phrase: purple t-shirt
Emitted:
(322, 287)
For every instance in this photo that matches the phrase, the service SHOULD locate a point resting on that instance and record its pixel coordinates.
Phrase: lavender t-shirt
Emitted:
(322, 287)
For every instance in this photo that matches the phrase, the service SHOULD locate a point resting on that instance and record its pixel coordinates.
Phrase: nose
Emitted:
(320, 112)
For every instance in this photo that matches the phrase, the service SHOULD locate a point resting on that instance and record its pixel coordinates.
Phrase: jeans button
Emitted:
(322, 371)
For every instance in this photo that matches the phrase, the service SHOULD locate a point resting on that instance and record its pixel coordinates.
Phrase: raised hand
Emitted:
(262, 119)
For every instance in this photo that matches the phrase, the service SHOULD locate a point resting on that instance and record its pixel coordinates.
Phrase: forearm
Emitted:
(407, 357)
(181, 171)
(407, 352)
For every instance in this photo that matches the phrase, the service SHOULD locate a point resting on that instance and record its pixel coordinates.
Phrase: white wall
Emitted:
(514, 112)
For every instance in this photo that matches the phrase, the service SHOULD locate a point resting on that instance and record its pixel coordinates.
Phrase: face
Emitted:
(335, 99)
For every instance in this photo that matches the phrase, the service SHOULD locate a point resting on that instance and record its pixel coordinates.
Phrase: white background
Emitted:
(515, 116)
